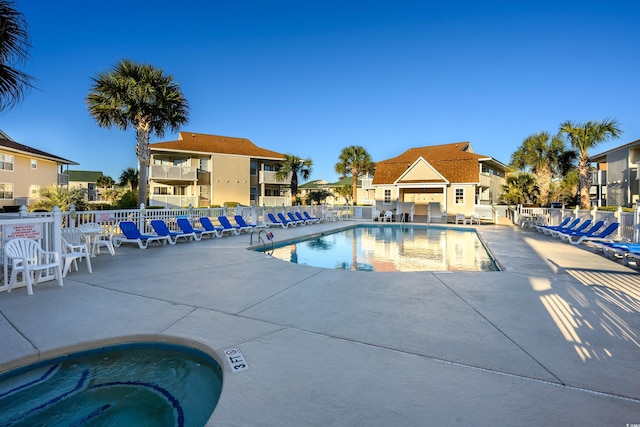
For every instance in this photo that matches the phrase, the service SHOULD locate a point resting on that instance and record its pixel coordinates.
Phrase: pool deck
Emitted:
(552, 340)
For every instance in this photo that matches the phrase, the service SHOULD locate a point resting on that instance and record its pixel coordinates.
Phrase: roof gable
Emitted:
(215, 144)
(421, 171)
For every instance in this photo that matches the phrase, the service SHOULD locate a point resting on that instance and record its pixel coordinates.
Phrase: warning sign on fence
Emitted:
(29, 231)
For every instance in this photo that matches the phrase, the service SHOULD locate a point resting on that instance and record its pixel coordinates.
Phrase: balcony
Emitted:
(63, 179)
(269, 177)
(485, 180)
(173, 173)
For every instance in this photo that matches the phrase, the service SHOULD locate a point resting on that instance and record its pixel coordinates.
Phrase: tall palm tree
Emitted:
(294, 166)
(14, 49)
(584, 136)
(354, 161)
(130, 176)
(545, 156)
(139, 96)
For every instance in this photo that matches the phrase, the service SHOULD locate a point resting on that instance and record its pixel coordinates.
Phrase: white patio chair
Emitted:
(375, 215)
(460, 217)
(475, 217)
(27, 257)
(98, 236)
(71, 253)
(388, 216)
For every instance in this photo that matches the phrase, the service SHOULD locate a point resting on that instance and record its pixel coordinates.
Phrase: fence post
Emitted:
(56, 232)
(619, 233)
(141, 220)
(636, 224)
(72, 216)
(22, 212)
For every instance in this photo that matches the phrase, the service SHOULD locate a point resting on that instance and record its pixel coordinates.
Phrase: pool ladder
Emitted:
(259, 233)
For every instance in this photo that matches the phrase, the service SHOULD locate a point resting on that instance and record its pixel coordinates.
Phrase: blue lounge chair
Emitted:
(295, 220)
(277, 222)
(306, 215)
(571, 225)
(208, 226)
(300, 218)
(243, 224)
(593, 228)
(131, 234)
(584, 224)
(594, 237)
(284, 220)
(161, 229)
(541, 228)
(227, 227)
(186, 227)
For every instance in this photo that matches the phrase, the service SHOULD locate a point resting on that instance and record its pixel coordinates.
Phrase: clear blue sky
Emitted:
(310, 77)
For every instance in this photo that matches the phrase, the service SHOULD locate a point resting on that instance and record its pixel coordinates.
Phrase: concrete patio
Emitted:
(551, 340)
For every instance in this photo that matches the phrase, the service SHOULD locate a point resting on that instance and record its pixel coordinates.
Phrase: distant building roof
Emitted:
(10, 145)
(203, 143)
(84, 176)
(455, 162)
(602, 157)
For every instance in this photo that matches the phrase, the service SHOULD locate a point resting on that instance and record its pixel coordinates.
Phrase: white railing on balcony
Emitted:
(186, 173)
(168, 201)
(274, 201)
(269, 177)
(485, 180)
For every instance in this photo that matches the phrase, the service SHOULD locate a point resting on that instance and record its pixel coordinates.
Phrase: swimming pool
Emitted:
(392, 248)
(123, 385)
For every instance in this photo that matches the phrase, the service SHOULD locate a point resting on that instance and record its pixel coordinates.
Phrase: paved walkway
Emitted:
(552, 340)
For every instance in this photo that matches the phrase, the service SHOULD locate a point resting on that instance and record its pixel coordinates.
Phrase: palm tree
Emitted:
(519, 188)
(62, 197)
(14, 48)
(354, 161)
(584, 136)
(294, 165)
(545, 157)
(105, 182)
(139, 96)
(129, 177)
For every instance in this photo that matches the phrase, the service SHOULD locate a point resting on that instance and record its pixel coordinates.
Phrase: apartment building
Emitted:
(24, 170)
(615, 180)
(211, 170)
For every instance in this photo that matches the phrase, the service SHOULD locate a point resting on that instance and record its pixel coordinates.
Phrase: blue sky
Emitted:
(310, 77)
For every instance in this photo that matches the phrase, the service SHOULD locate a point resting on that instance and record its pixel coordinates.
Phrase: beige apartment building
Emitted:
(210, 170)
(25, 170)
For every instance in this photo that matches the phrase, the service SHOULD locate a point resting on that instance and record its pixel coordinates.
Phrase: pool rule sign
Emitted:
(236, 360)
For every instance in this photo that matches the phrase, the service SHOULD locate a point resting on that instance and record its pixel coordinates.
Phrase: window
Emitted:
(204, 164)
(34, 164)
(253, 191)
(161, 190)
(6, 191)
(459, 196)
(6, 163)
(387, 197)
(253, 167)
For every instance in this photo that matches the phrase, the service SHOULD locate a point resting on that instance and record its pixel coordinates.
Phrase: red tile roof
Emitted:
(455, 162)
(203, 143)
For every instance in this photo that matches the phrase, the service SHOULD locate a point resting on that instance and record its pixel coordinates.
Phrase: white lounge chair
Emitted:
(434, 213)
(27, 257)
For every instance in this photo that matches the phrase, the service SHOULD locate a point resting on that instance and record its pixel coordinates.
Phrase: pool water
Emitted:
(392, 248)
(125, 385)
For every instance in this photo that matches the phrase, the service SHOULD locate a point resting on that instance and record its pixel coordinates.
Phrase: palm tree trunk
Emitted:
(142, 150)
(354, 190)
(584, 182)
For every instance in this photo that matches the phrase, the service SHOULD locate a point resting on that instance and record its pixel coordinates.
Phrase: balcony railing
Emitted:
(269, 177)
(183, 173)
(63, 179)
(168, 201)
